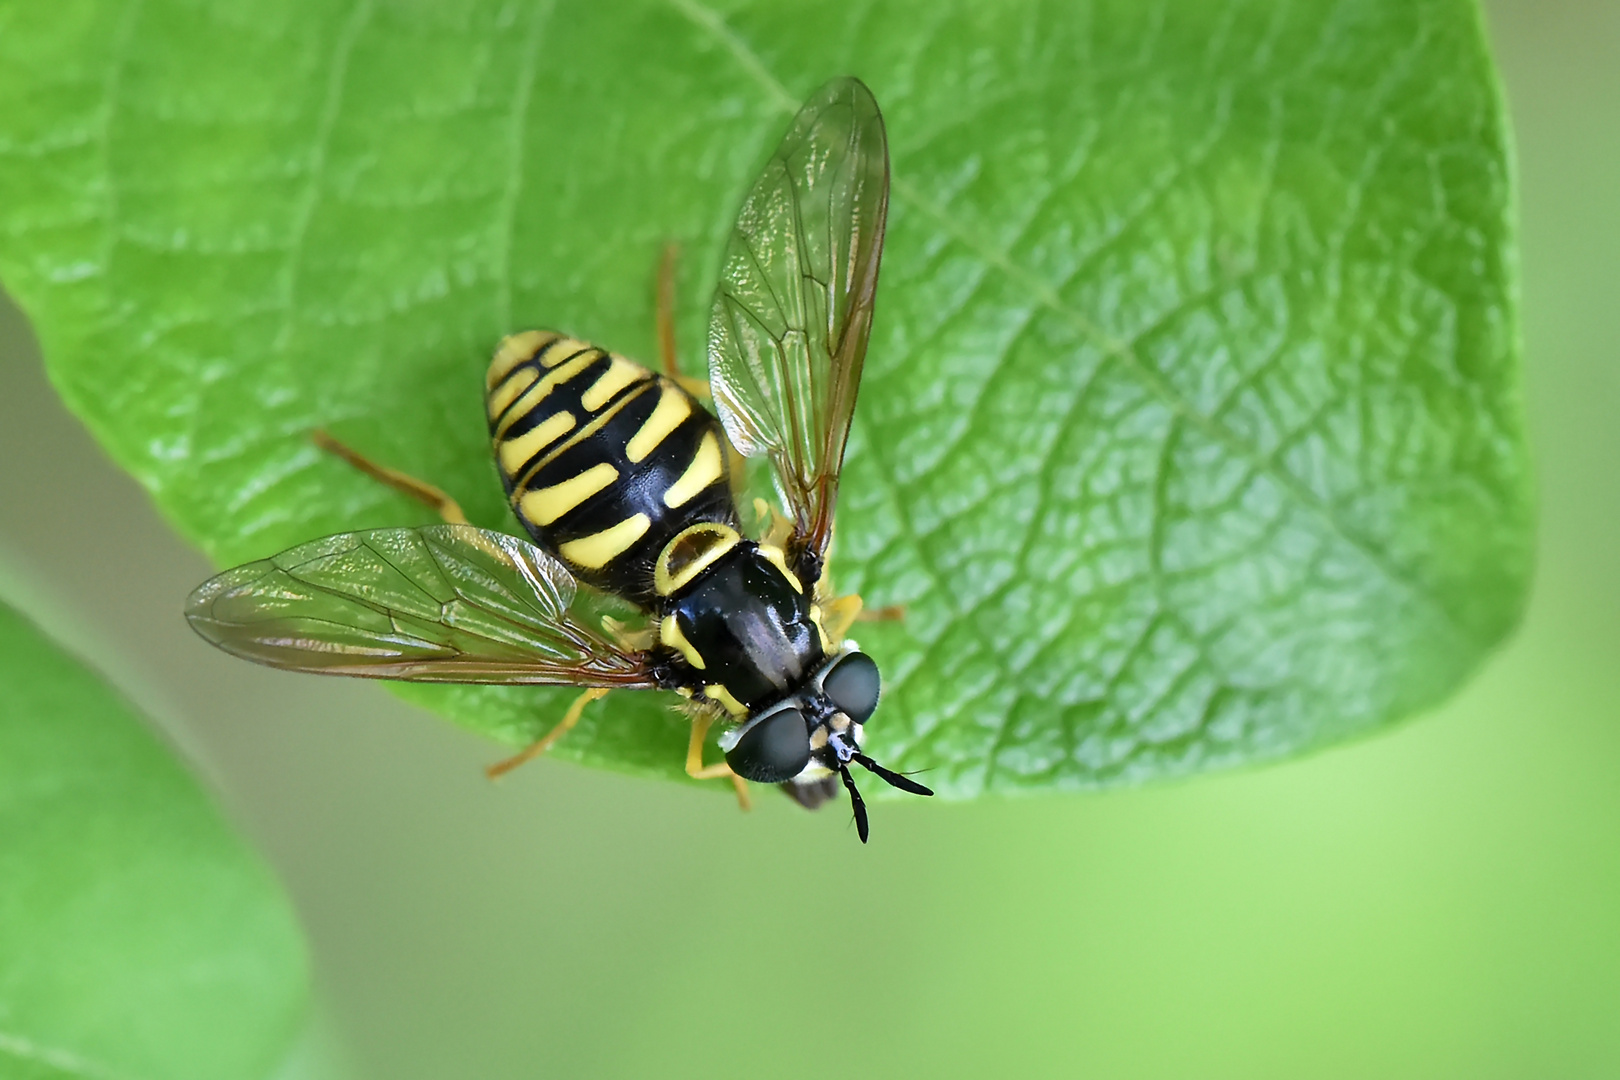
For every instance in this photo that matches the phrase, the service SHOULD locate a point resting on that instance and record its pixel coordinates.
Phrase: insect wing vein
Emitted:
(793, 311)
(444, 603)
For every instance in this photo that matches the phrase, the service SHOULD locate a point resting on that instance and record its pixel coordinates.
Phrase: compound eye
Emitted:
(853, 684)
(774, 750)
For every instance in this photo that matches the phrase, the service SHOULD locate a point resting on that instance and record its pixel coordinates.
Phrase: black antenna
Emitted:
(856, 802)
(894, 779)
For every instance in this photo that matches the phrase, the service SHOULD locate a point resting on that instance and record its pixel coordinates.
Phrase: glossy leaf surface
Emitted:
(1189, 434)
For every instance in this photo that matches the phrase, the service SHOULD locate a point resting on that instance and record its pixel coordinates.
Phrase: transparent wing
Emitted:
(444, 603)
(787, 336)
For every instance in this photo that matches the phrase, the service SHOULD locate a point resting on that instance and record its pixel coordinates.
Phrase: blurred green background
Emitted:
(1440, 901)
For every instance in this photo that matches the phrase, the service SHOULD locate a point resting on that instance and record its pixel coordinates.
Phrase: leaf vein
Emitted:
(522, 95)
(112, 92)
(1161, 388)
(1157, 384)
(309, 199)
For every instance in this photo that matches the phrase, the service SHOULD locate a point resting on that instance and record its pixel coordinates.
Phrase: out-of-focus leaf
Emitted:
(138, 937)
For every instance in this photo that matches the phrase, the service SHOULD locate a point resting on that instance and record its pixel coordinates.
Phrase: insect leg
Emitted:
(699, 771)
(541, 745)
(698, 388)
(420, 490)
(775, 529)
(841, 613)
(837, 616)
(638, 640)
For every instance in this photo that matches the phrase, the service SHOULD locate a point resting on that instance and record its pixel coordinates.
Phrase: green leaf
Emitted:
(138, 937)
(1190, 433)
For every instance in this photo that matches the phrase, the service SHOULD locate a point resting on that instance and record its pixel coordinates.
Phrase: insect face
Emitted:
(815, 734)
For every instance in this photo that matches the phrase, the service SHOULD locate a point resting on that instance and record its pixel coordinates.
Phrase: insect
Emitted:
(628, 485)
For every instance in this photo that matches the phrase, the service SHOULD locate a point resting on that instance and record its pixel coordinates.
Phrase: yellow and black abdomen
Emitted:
(603, 461)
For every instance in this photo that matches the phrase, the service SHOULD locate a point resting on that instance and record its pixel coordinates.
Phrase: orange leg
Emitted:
(541, 745)
(699, 771)
(420, 490)
(841, 613)
(698, 388)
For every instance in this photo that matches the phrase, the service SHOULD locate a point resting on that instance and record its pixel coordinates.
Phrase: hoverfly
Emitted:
(628, 485)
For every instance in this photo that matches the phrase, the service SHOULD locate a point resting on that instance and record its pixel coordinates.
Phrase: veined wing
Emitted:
(443, 603)
(791, 317)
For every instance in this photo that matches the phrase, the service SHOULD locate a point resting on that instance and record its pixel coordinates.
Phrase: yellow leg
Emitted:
(775, 529)
(420, 490)
(698, 388)
(699, 771)
(629, 640)
(540, 746)
(839, 615)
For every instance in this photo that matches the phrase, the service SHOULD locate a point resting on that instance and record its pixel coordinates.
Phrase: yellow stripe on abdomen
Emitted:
(514, 350)
(620, 374)
(671, 410)
(517, 452)
(537, 393)
(600, 548)
(547, 504)
(562, 349)
(592, 426)
(707, 466)
(507, 392)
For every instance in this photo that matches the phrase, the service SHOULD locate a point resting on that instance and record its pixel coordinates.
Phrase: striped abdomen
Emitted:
(603, 461)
